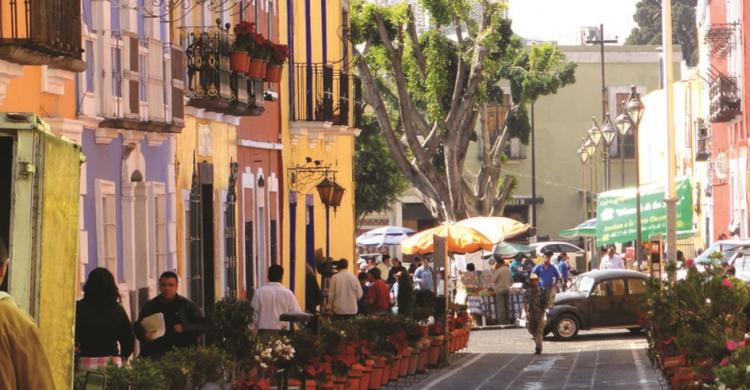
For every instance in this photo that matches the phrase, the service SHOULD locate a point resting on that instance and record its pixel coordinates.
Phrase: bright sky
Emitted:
(560, 20)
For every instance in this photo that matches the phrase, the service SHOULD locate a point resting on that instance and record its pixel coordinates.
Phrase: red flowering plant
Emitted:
(251, 381)
(279, 54)
(262, 47)
(242, 36)
(733, 371)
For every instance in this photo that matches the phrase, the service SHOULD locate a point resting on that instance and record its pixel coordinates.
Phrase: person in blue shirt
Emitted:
(547, 273)
(423, 277)
(563, 267)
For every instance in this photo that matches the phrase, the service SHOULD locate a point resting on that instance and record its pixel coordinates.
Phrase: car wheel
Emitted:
(566, 327)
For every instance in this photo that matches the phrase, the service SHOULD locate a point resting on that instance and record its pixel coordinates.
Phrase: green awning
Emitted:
(615, 213)
(585, 229)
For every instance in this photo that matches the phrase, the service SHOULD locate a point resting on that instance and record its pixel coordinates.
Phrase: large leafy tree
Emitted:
(379, 181)
(684, 30)
(426, 90)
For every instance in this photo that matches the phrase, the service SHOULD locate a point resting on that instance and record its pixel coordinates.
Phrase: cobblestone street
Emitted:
(504, 359)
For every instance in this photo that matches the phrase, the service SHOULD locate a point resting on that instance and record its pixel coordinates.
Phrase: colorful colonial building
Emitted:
(40, 59)
(320, 109)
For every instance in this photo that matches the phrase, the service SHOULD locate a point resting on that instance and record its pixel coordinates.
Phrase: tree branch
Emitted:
(412, 31)
(502, 195)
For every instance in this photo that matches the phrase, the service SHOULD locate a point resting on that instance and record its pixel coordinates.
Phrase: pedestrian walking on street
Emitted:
(612, 260)
(271, 301)
(534, 305)
(423, 277)
(396, 267)
(548, 276)
(344, 291)
(502, 280)
(102, 330)
(183, 320)
(23, 363)
(362, 302)
(563, 267)
(516, 269)
(378, 297)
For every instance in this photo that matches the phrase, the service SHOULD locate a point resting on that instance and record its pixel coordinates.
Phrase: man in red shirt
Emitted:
(378, 297)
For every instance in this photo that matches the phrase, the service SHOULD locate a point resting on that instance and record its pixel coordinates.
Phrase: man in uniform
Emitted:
(533, 303)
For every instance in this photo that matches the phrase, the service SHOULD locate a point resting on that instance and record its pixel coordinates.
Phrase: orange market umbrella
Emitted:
(496, 229)
(459, 239)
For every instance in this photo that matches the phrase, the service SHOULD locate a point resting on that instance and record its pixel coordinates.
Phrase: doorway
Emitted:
(6, 187)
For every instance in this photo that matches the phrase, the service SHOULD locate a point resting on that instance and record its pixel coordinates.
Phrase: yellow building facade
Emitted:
(319, 126)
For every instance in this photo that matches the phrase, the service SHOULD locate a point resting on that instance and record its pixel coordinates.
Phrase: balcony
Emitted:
(703, 141)
(211, 84)
(721, 38)
(725, 99)
(321, 94)
(42, 32)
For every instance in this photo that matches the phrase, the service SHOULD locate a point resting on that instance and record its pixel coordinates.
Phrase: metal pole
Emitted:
(607, 166)
(621, 139)
(638, 232)
(671, 196)
(328, 231)
(533, 169)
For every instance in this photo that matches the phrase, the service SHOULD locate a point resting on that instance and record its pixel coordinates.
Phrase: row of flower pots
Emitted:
(240, 62)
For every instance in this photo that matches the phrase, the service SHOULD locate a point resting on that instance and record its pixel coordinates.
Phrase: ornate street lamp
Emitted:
(331, 194)
(634, 106)
(594, 133)
(623, 123)
(589, 147)
(583, 154)
(609, 130)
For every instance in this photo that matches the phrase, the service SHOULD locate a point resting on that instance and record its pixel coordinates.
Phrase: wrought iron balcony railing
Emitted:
(321, 94)
(725, 99)
(42, 32)
(211, 84)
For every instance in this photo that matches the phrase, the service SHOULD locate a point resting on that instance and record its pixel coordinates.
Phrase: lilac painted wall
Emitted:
(102, 162)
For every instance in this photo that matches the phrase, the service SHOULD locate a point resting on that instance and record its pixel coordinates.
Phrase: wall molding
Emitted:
(70, 128)
(8, 71)
(260, 145)
(54, 79)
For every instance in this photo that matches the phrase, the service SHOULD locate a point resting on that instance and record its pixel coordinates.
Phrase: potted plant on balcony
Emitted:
(239, 57)
(260, 55)
(279, 55)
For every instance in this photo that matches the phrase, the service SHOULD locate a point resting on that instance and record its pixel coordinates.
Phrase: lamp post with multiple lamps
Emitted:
(629, 120)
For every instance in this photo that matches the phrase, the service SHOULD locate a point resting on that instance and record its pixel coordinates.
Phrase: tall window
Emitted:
(116, 72)
(89, 66)
(274, 242)
(106, 225)
(143, 77)
(160, 209)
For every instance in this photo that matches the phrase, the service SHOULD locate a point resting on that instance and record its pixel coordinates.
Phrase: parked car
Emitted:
(575, 253)
(726, 247)
(598, 299)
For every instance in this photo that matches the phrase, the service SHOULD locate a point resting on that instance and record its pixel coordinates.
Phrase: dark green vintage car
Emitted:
(598, 299)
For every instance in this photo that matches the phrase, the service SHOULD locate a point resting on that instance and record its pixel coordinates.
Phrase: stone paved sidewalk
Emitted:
(504, 359)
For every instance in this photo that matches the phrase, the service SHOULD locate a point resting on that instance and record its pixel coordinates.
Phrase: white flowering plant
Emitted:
(274, 351)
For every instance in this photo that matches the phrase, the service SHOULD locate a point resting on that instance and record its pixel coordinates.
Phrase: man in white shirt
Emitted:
(344, 291)
(385, 266)
(612, 260)
(273, 300)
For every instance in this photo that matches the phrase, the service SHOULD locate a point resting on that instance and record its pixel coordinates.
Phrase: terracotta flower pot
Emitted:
(413, 360)
(404, 367)
(329, 384)
(340, 382)
(386, 374)
(310, 384)
(424, 330)
(672, 363)
(395, 368)
(376, 378)
(683, 376)
(364, 382)
(435, 350)
(238, 61)
(257, 68)
(273, 73)
(424, 357)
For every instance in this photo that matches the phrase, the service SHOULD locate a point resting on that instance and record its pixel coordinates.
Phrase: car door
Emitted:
(634, 300)
(608, 301)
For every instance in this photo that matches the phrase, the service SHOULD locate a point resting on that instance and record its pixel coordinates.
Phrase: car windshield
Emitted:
(726, 249)
(582, 284)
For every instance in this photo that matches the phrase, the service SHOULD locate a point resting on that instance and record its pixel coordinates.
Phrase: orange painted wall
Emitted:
(25, 95)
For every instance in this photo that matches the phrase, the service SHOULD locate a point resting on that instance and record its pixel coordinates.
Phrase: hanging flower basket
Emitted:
(238, 61)
(273, 73)
(257, 69)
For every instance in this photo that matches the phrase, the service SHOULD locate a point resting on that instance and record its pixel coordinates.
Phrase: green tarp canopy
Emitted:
(615, 213)
(585, 229)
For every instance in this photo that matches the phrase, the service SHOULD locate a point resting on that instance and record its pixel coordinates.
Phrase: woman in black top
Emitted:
(101, 323)
(396, 267)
